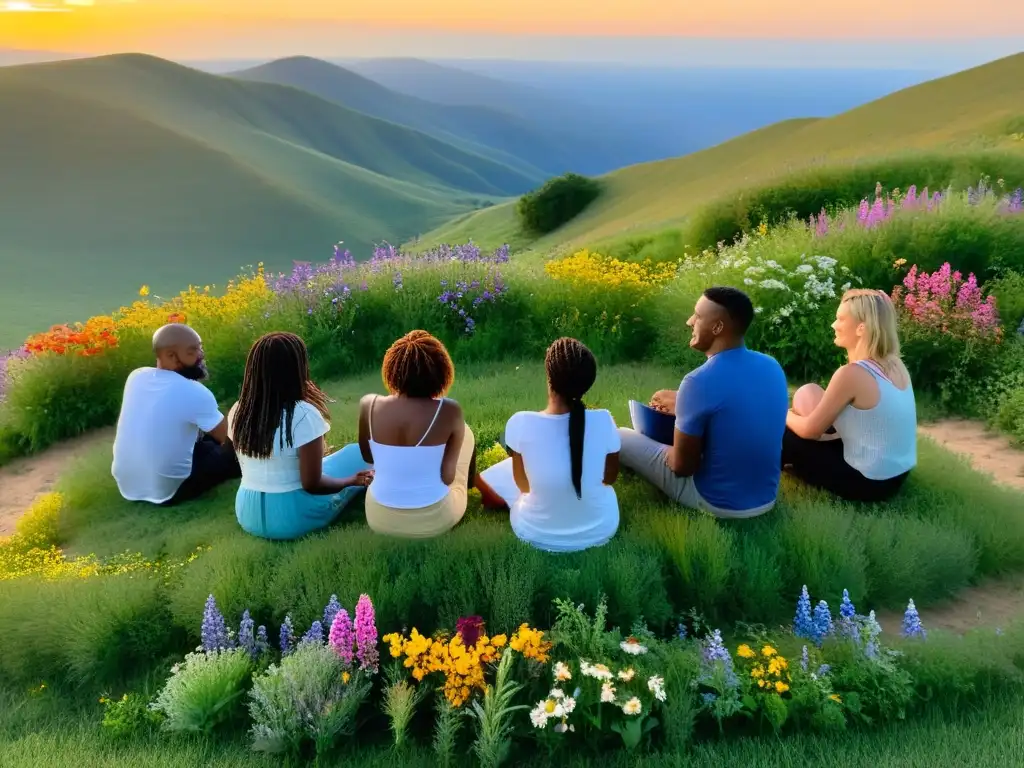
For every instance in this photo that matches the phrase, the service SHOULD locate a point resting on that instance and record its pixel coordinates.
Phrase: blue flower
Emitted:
(315, 634)
(822, 622)
(262, 644)
(681, 631)
(804, 659)
(912, 626)
(803, 624)
(846, 610)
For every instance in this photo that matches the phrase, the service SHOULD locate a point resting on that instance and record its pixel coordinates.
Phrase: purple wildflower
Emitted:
(315, 634)
(333, 606)
(715, 654)
(366, 634)
(214, 630)
(287, 636)
(246, 634)
(805, 659)
(823, 670)
(912, 626)
(871, 647)
(681, 631)
(6, 368)
(262, 643)
(342, 637)
(803, 624)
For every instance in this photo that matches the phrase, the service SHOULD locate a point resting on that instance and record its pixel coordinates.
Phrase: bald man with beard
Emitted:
(172, 442)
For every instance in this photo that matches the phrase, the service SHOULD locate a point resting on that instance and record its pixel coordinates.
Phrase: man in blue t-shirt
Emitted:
(730, 416)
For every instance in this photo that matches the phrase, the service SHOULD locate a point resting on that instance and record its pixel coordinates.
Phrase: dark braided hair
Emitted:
(276, 378)
(418, 365)
(572, 371)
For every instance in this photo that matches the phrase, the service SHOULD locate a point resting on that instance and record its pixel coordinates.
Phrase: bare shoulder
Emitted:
(452, 409)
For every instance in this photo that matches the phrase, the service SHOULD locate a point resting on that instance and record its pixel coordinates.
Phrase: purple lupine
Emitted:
(846, 609)
(5, 368)
(214, 631)
(315, 634)
(342, 636)
(333, 606)
(713, 651)
(823, 670)
(287, 635)
(247, 634)
(912, 626)
(262, 643)
(805, 659)
(803, 624)
(366, 634)
(871, 647)
(681, 631)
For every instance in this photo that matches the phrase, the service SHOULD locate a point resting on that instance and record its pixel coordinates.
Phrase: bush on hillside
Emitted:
(1008, 289)
(807, 193)
(556, 203)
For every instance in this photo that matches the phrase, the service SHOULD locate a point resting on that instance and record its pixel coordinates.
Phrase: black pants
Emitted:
(820, 463)
(212, 464)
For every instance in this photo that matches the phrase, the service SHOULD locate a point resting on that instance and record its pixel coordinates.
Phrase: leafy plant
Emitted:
(494, 716)
(204, 690)
(309, 698)
(446, 731)
(399, 704)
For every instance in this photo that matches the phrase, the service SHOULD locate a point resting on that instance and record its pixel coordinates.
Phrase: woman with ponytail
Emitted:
(564, 460)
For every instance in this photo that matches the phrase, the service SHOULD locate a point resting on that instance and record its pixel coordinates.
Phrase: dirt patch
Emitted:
(991, 605)
(24, 479)
(989, 452)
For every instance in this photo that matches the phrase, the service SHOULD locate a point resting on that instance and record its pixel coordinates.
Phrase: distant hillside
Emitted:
(131, 170)
(977, 109)
(483, 130)
(601, 136)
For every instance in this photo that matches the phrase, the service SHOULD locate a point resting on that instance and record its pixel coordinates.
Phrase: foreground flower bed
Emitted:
(494, 698)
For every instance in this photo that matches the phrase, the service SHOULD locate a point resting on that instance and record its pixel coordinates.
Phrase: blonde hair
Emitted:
(875, 311)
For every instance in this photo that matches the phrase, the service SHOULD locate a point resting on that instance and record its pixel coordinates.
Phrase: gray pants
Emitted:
(649, 459)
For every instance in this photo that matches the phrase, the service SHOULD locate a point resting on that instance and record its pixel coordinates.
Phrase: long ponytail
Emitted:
(577, 430)
(572, 370)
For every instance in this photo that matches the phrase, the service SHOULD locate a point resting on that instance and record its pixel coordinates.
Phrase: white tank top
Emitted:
(407, 476)
(881, 442)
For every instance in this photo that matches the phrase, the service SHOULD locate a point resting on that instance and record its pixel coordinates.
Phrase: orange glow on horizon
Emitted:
(180, 26)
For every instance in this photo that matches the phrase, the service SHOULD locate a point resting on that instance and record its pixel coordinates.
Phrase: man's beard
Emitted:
(195, 372)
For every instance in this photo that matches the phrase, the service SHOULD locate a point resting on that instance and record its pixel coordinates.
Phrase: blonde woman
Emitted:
(870, 404)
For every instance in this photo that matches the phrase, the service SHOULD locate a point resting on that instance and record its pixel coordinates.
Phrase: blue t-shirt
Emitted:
(737, 402)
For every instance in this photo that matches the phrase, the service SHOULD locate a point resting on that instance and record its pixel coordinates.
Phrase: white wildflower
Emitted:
(772, 284)
(632, 707)
(608, 693)
(625, 675)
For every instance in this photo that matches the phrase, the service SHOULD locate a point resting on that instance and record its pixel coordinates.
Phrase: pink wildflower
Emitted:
(342, 637)
(910, 281)
(366, 634)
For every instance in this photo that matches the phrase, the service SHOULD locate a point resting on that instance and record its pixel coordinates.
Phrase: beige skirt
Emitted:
(433, 520)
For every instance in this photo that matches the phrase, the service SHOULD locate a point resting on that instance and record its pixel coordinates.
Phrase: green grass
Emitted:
(134, 170)
(928, 544)
(973, 111)
(46, 733)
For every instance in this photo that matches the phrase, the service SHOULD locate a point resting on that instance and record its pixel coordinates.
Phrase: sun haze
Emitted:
(191, 27)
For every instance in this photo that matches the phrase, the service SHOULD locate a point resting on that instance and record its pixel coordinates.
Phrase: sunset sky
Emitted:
(237, 28)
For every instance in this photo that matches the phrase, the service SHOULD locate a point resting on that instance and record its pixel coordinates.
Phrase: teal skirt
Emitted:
(293, 514)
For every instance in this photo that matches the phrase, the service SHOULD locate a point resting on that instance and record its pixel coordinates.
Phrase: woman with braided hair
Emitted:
(564, 460)
(289, 486)
(416, 438)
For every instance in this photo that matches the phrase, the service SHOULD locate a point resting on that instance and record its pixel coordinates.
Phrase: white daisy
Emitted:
(632, 707)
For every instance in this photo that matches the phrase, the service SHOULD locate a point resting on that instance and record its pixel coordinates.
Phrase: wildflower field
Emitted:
(684, 634)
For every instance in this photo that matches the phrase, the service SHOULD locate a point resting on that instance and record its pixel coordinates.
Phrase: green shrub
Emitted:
(556, 203)
(205, 690)
(1008, 289)
(1010, 414)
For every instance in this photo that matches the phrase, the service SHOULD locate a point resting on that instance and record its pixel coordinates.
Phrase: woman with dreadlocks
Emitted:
(416, 438)
(289, 486)
(564, 460)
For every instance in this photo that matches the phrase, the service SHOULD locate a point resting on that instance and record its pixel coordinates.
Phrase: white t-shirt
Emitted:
(162, 415)
(550, 516)
(280, 473)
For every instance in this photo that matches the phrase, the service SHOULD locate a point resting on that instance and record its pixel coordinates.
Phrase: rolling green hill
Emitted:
(125, 170)
(979, 109)
(483, 130)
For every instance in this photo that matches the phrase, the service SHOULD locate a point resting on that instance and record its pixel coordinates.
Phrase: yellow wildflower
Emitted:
(768, 651)
(144, 291)
(345, 677)
(835, 698)
(781, 687)
(745, 652)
